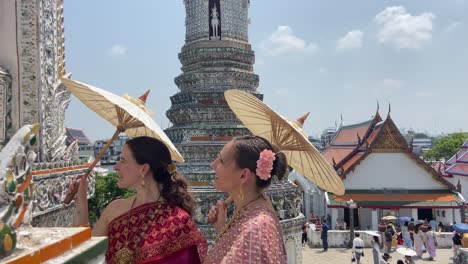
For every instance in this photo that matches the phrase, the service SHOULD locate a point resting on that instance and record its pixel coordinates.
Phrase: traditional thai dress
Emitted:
(155, 233)
(418, 242)
(253, 236)
(430, 243)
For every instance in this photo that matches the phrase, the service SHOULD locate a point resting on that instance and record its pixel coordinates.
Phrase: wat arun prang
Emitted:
(217, 57)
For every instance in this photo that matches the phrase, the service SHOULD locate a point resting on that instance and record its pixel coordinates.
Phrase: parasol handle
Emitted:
(226, 204)
(71, 194)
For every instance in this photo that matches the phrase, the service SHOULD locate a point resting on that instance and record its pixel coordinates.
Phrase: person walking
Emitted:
(389, 233)
(324, 236)
(431, 243)
(304, 233)
(358, 248)
(457, 243)
(376, 249)
(418, 241)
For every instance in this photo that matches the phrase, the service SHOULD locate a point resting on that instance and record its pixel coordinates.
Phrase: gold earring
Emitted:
(241, 193)
(143, 183)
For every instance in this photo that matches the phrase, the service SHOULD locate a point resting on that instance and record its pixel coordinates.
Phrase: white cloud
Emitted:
(453, 26)
(352, 40)
(390, 86)
(402, 29)
(284, 42)
(117, 51)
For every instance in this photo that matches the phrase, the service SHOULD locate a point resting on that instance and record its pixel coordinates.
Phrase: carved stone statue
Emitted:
(215, 22)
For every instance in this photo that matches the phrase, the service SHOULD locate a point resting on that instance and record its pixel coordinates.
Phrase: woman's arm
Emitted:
(80, 218)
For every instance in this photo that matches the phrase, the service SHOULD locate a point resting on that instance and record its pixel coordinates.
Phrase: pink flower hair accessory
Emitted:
(265, 164)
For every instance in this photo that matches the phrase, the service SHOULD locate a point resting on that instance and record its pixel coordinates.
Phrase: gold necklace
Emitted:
(234, 217)
(125, 254)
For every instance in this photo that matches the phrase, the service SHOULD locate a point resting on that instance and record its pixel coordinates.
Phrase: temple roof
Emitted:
(77, 134)
(353, 143)
(456, 165)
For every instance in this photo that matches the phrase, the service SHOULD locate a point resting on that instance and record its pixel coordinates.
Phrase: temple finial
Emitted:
(378, 106)
(389, 108)
(303, 118)
(144, 96)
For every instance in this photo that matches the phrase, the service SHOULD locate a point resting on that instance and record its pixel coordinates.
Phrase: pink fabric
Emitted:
(255, 237)
(430, 244)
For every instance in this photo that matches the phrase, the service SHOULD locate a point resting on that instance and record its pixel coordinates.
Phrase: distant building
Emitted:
(112, 154)
(326, 136)
(316, 142)
(85, 147)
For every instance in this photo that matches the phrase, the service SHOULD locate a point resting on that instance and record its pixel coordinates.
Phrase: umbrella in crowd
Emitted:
(461, 228)
(406, 251)
(262, 121)
(127, 114)
(404, 219)
(389, 217)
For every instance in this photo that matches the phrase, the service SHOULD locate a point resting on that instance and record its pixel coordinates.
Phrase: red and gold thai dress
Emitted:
(253, 236)
(155, 233)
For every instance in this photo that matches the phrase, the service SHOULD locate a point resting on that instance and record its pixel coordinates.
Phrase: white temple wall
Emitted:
(390, 171)
(405, 212)
(8, 51)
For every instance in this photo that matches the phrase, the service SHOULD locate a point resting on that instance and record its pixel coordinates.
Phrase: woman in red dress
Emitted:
(154, 225)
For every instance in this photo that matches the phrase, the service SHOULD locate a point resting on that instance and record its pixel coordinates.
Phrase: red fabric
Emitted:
(183, 256)
(171, 231)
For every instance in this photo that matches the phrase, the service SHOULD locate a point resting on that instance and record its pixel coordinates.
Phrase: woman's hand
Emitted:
(81, 210)
(217, 216)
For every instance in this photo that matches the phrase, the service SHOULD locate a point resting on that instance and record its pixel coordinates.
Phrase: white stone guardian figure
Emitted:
(215, 22)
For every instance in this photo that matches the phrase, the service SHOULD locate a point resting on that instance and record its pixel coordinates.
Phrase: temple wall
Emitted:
(399, 171)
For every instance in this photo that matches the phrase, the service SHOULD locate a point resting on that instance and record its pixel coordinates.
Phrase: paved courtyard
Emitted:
(340, 255)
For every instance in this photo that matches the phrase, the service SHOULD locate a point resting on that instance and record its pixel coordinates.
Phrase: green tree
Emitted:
(106, 191)
(446, 147)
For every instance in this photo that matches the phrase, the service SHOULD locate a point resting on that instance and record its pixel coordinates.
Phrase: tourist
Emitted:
(358, 248)
(133, 225)
(324, 236)
(418, 240)
(385, 258)
(304, 233)
(244, 169)
(440, 227)
(388, 236)
(400, 261)
(376, 249)
(464, 240)
(457, 243)
(431, 243)
(406, 236)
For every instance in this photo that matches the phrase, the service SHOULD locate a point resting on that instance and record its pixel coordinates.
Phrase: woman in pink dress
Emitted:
(244, 169)
(431, 242)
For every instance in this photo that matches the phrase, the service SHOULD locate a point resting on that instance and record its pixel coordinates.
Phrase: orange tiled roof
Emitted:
(351, 161)
(337, 153)
(348, 135)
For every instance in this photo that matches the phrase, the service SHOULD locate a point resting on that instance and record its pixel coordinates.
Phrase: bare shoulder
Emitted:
(116, 208)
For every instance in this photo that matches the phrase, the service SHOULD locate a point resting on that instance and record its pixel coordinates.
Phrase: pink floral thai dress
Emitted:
(254, 236)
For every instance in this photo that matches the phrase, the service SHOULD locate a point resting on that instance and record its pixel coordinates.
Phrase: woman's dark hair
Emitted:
(400, 262)
(247, 153)
(148, 150)
(376, 240)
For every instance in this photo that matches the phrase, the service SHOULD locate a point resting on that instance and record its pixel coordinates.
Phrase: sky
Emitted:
(334, 59)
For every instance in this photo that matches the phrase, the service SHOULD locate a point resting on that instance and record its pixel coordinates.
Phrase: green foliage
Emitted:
(106, 191)
(446, 147)
(420, 135)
